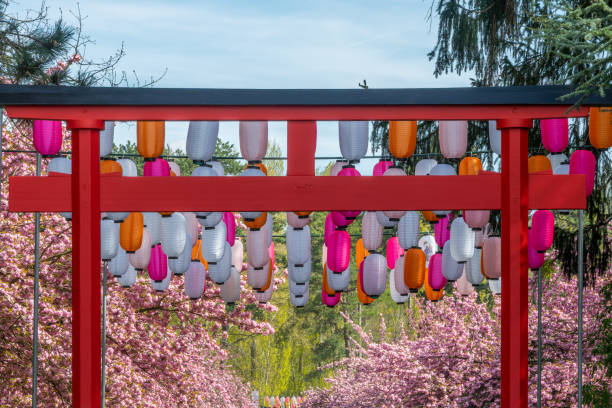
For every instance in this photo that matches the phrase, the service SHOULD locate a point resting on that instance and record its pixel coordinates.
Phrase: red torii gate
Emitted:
(86, 194)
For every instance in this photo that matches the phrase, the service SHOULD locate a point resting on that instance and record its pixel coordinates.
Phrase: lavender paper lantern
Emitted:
(47, 136)
(152, 220)
(180, 265)
(219, 271)
(395, 295)
(451, 269)
(339, 281)
(385, 221)
(251, 171)
(339, 251)
(353, 139)
(257, 278)
(374, 275)
(494, 137)
(265, 296)
(109, 239)
(128, 168)
(453, 138)
(213, 242)
(212, 219)
(408, 230)
(300, 273)
(399, 279)
(192, 228)
(424, 167)
(473, 273)
(205, 170)
(57, 166)
(106, 138)
(542, 230)
(495, 286)
(195, 280)
(201, 140)
(128, 278)
(297, 288)
(491, 257)
(554, 134)
(217, 167)
(238, 254)
(435, 277)
(230, 290)
(299, 300)
(371, 231)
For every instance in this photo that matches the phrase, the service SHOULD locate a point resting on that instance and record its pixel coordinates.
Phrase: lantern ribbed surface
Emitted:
(158, 264)
(238, 254)
(414, 268)
(408, 230)
(257, 278)
(130, 232)
(195, 280)
(495, 286)
(395, 214)
(473, 272)
(339, 251)
(210, 220)
(542, 230)
(128, 168)
(152, 220)
(47, 136)
(257, 248)
(463, 286)
(353, 139)
(442, 231)
(428, 245)
(385, 221)
(394, 251)
(109, 239)
(213, 242)
(380, 167)
(230, 290)
(201, 139)
(399, 283)
(491, 257)
(395, 295)
(298, 245)
(230, 224)
(494, 137)
(535, 259)
(141, 258)
(106, 138)
(453, 138)
(128, 278)
(295, 221)
(339, 281)
(374, 275)
(156, 168)
(600, 127)
(219, 271)
(172, 234)
(583, 162)
(119, 264)
(150, 140)
(476, 218)
(180, 265)
(253, 139)
(435, 277)
(402, 138)
(554, 134)
(470, 166)
(361, 295)
(300, 273)
(424, 166)
(451, 269)
(461, 241)
(300, 301)
(297, 289)
(371, 231)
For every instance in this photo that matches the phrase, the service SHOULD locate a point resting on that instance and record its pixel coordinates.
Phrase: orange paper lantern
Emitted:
(470, 166)
(196, 254)
(259, 165)
(302, 214)
(414, 268)
(130, 232)
(430, 216)
(257, 222)
(402, 138)
(110, 167)
(600, 127)
(151, 137)
(538, 163)
(360, 252)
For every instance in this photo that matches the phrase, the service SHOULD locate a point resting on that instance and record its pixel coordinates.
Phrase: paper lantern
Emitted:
(47, 136)
(385, 221)
(402, 138)
(494, 137)
(297, 288)
(253, 139)
(538, 163)
(395, 214)
(430, 293)
(330, 300)
(180, 265)
(196, 254)
(150, 139)
(360, 252)
(349, 171)
(210, 220)
(339, 251)
(340, 220)
(428, 245)
(424, 166)
(395, 294)
(408, 230)
(258, 165)
(562, 169)
(535, 259)
(175, 170)
(470, 166)
(59, 166)
(257, 248)
(473, 271)
(478, 238)
(381, 167)
(303, 214)
(270, 279)
(298, 244)
(265, 296)
(399, 283)
(442, 231)
(583, 162)
(476, 219)
(339, 281)
(238, 254)
(128, 168)
(461, 241)
(217, 167)
(300, 273)
(491, 257)
(353, 138)
(542, 230)
(202, 140)
(192, 228)
(374, 275)
(600, 127)
(172, 234)
(463, 286)
(361, 295)
(119, 264)
(219, 271)
(453, 138)
(257, 278)
(556, 160)
(230, 290)
(110, 166)
(128, 278)
(269, 226)
(158, 264)
(195, 280)
(213, 242)
(141, 258)
(495, 286)
(156, 168)
(295, 221)
(451, 269)
(430, 216)
(337, 166)
(258, 222)
(300, 301)
(152, 220)
(230, 224)
(394, 251)
(130, 232)
(371, 231)
(554, 134)
(106, 138)
(436, 278)
(109, 239)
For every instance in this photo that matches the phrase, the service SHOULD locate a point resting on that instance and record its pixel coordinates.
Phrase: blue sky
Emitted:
(263, 44)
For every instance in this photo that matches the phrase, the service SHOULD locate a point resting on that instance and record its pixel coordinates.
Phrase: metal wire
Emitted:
(36, 296)
(580, 300)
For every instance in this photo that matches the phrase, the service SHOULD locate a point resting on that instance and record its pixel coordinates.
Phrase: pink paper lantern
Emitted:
(339, 251)
(476, 219)
(47, 136)
(542, 230)
(381, 167)
(584, 162)
(554, 134)
(535, 259)
(158, 264)
(441, 231)
(340, 220)
(330, 300)
(463, 285)
(230, 223)
(350, 171)
(156, 168)
(435, 277)
(394, 251)
(491, 257)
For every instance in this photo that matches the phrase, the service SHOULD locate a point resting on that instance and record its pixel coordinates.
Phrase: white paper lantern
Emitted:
(106, 138)
(253, 140)
(266, 295)
(251, 171)
(191, 227)
(300, 273)
(557, 159)
(109, 239)
(203, 171)
(152, 220)
(62, 165)
(299, 300)
(399, 282)
(129, 277)
(230, 290)
(269, 226)
(353, 138)
(295, 221)
(453, 138)
(140, 259)
(339, 281)
(213, 242)
(473, 273)
(385, 221)
(257, 278)
(371, 231)
(172, 234)
(162, 285)
(180, 265)
(461, 240)
(495, 286)
(424, 166)
(494, 137)
(210, 220)
(257, 248)
(238, 254)
(128, 168)
(217, 166)
(408, 230)
(201, 139)
(429, 246)
(119, 264)
(395, 295)
(451, 269)
(394, 171)
(219, 271)
(298, 244)
(297, 288)
(374, 275)
(195, 280)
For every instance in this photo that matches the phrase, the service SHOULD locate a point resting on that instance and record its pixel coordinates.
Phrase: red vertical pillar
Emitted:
(301, 146)
(514, 345)
(86, 331)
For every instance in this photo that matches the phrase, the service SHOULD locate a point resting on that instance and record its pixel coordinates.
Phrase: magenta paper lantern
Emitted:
(350, 171)
(156, 168)
(47, 135)
(542, 230)
(381, 167)
(583, 162)
(394, 251)
(442, 231)
(435, 277)
(476, 219)
(491, 257)
(330, 300)
(158, 264)
(339, 251)
(554, 134)
(340, 220)
(330, 227)
(535, 259)
(230, 223)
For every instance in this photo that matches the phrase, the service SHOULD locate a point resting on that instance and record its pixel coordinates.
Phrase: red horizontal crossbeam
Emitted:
(282, 113)
(293, 193)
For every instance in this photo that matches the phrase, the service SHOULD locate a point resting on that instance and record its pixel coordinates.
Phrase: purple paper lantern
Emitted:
(47, 135)
(554, 134)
